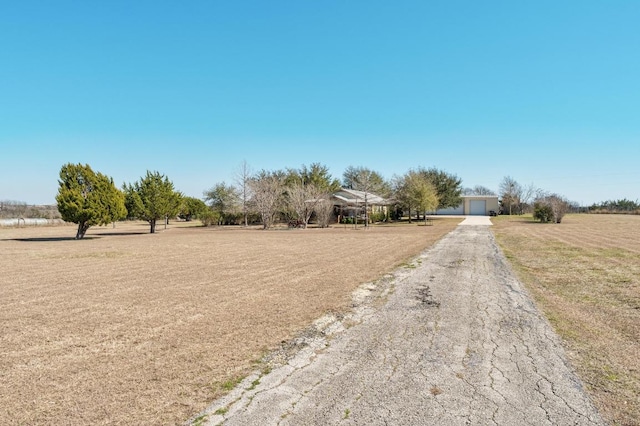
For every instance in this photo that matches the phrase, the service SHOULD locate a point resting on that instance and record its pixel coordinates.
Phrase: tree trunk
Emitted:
(152, 222)
(366, 211)
(82, 229)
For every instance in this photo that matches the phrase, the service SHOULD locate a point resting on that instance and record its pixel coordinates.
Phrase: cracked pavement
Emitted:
(457, 341)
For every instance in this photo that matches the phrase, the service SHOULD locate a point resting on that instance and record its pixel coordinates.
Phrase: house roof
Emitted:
(353, 197)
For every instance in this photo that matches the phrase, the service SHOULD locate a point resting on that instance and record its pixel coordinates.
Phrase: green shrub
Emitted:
(209, 218)
(543, 212)
(377, 217)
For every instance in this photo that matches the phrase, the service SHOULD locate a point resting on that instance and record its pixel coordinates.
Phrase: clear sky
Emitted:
(547, 92)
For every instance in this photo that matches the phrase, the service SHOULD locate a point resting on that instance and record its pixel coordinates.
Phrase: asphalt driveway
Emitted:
(456, 342)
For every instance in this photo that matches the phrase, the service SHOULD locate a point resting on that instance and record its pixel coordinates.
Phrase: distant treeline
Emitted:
(20, 210)
(623, 206)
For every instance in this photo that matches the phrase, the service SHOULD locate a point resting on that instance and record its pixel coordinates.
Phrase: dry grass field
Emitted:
(585, 276)
(126, 327)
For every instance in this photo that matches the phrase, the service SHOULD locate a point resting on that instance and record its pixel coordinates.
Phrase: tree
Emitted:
(316, 174)
(324, 211)
(151, 198)
(516, 197)
(88, 198)
(478, 190)
(415, 190)
(116, 205)
(400, 196)
(191, 207)
(243, 178)
(422, 193)
(302, 200)
(616, 206)
(510, 192)
(367, 181)
(223, 199)
(306, 187)
(448, 186)
(268, 190)
(13, 209)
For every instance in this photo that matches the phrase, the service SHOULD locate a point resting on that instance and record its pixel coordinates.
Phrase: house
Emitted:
(475, 205)
(350, 202)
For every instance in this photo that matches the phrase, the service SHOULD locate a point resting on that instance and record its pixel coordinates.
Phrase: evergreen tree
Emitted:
(191, 208)
(88, 198)
(152, 198)
(448, 187)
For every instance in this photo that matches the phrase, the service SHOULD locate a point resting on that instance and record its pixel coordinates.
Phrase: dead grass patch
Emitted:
(435, 391)
(585, 276)
(133, 328)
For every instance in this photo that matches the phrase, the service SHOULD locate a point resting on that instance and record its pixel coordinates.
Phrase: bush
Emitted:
(209, 218)
(551, 208)
(542, 212)
(377, 217)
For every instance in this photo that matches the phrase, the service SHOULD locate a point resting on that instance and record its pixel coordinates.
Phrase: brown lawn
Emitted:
(585, 275)
(126, 327)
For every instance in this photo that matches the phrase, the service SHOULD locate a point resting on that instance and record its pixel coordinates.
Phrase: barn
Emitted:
(475, 205)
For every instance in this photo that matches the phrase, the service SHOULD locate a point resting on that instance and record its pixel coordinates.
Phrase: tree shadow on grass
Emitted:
(533, 222)
(46, 239)
(120, 234)
(90, 237)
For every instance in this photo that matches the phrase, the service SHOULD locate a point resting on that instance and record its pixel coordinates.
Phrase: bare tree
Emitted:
(478, 190)
(324, 210)
(528, 193)
(511, 193)
(560, 207)
(13, 209)
(267, 189)
(242, 180)
(302, 199)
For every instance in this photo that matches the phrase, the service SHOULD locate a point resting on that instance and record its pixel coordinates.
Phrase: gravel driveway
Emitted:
(456, 342)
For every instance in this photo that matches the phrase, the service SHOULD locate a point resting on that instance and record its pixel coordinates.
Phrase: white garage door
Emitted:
(478, 207)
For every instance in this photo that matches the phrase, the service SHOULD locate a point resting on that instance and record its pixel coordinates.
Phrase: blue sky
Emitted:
(546, 92)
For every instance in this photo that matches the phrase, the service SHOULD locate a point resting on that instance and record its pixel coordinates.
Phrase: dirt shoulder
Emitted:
(584, 275)
(457, 342)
